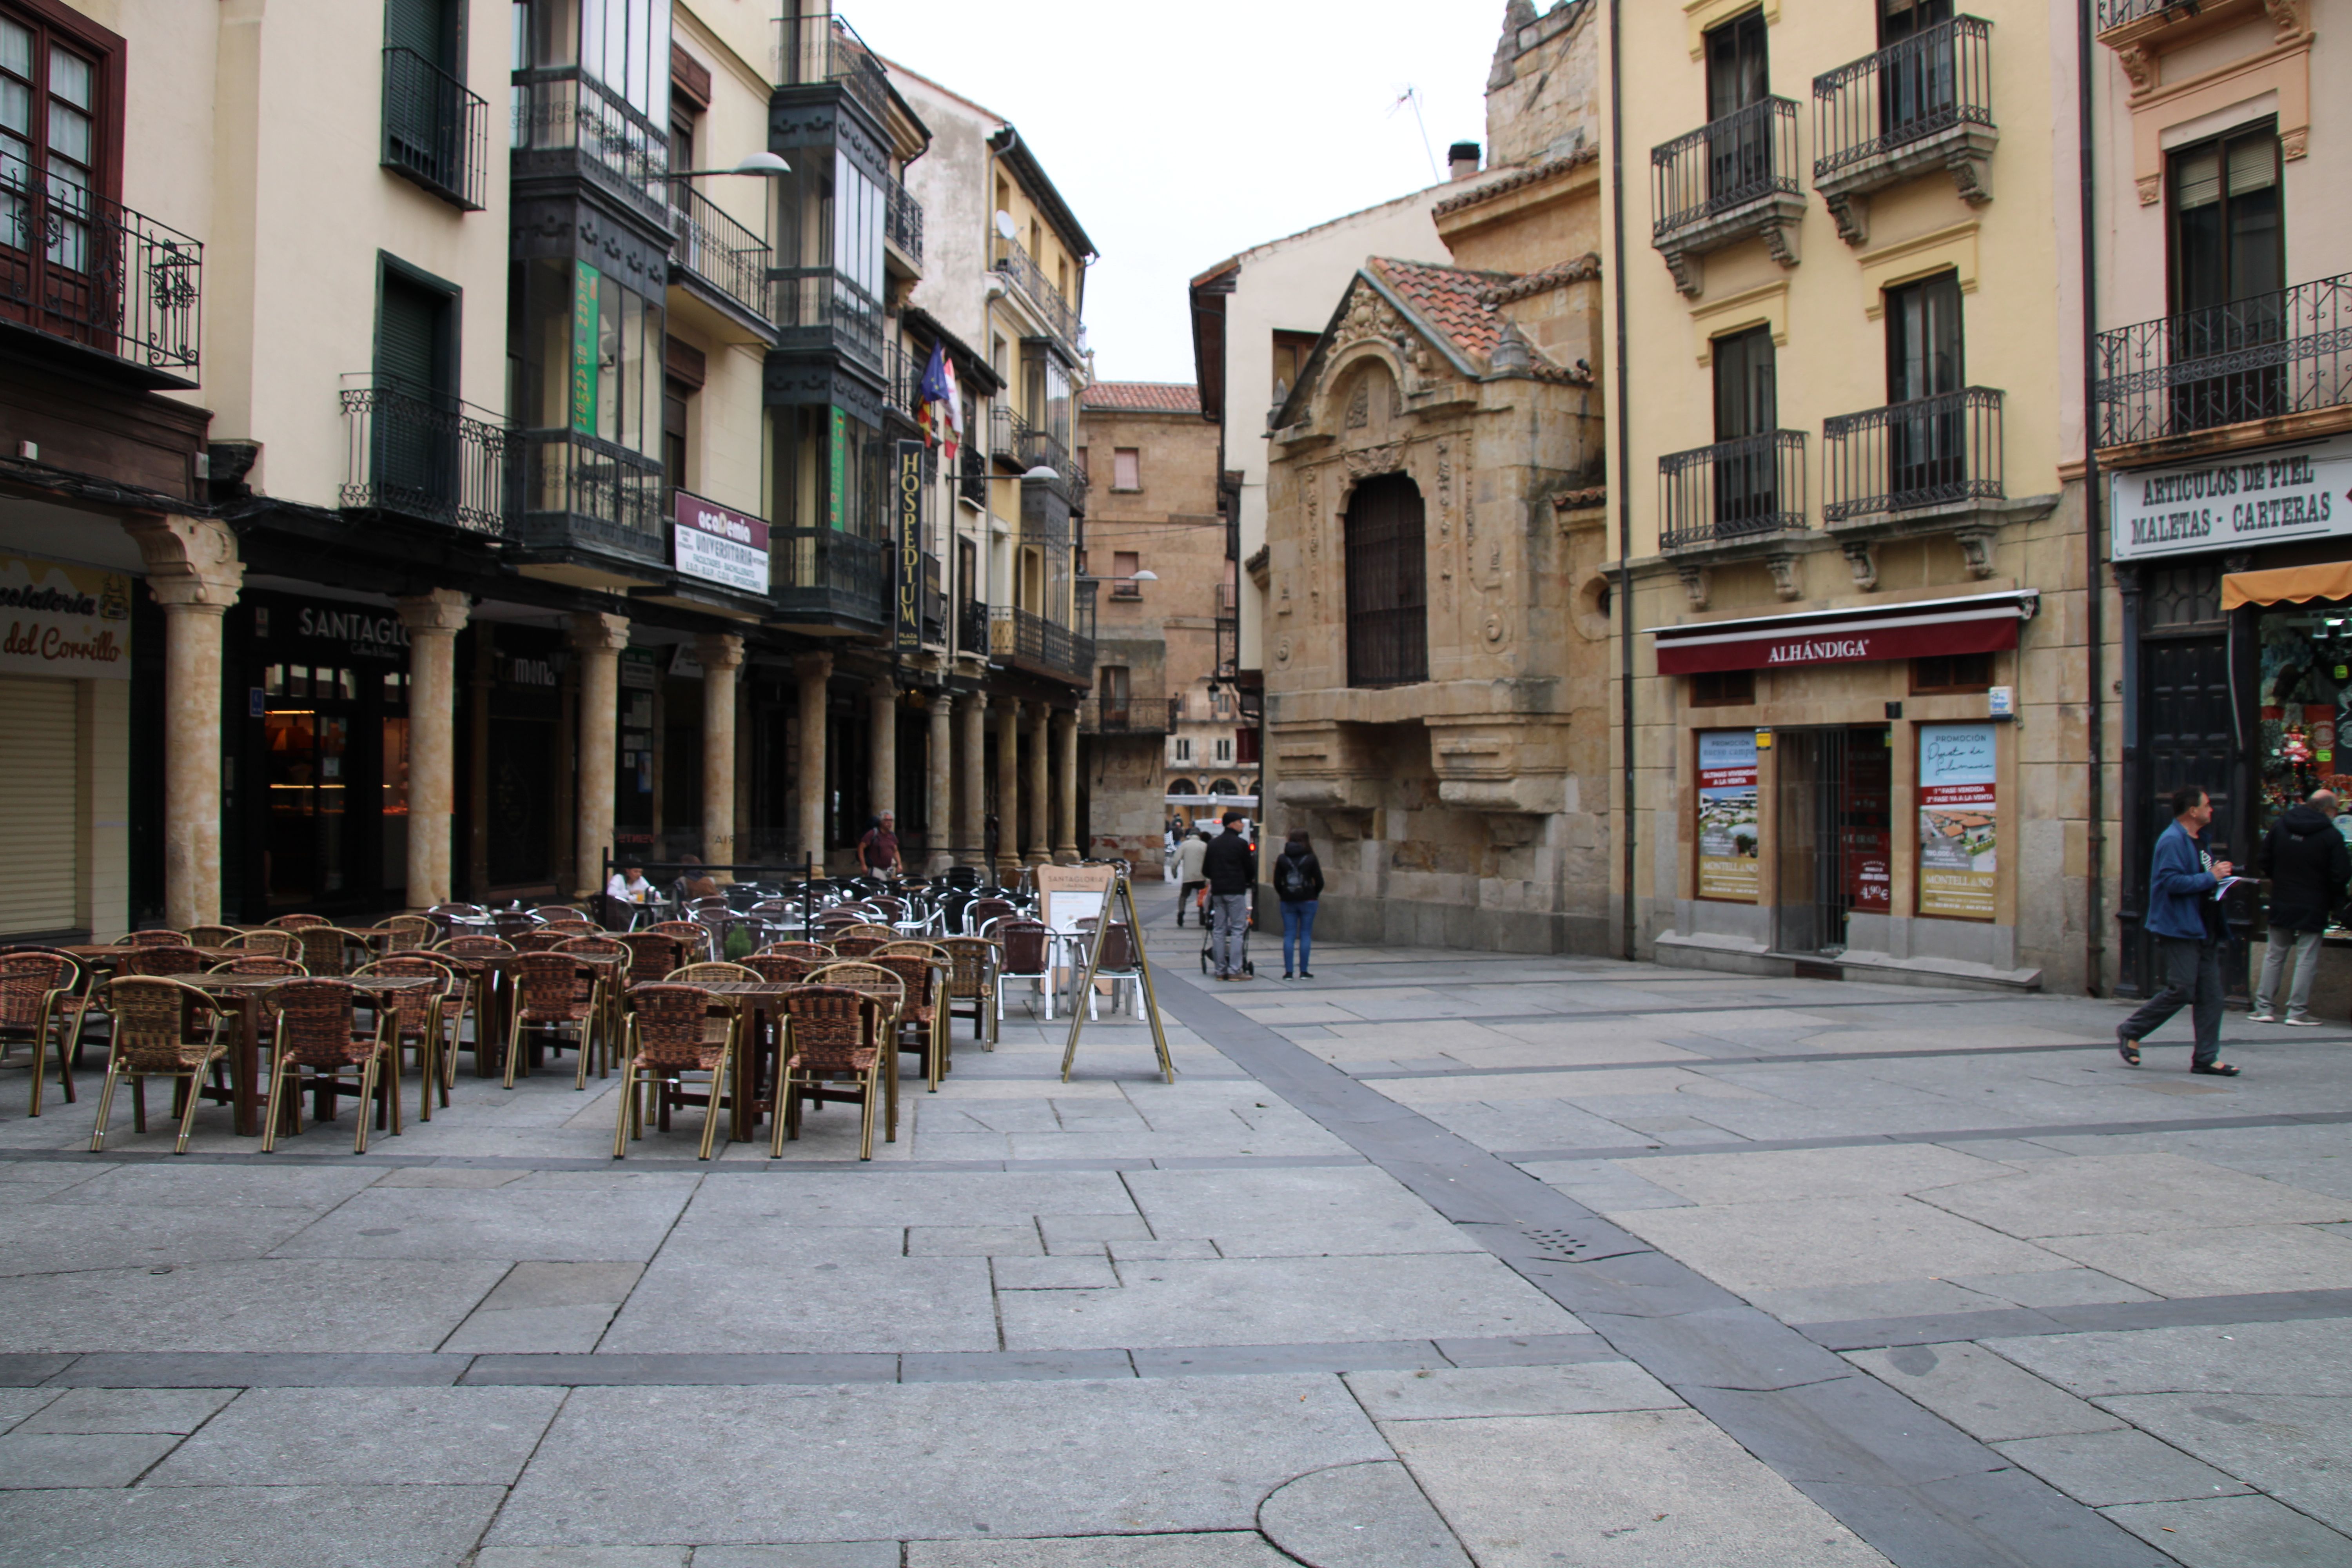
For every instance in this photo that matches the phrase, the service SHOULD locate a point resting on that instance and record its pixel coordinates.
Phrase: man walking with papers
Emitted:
(2185, 886)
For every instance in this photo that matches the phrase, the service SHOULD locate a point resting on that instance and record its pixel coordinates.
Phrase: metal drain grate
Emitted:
(1555, 1246)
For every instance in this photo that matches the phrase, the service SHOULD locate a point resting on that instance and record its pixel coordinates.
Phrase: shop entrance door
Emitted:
(1834, 834)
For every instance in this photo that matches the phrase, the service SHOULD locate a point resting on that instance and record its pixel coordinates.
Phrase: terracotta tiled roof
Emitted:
(1529, 175)
(1576, 500)
(1143, 396)
(1449, 299)
(1559, 272)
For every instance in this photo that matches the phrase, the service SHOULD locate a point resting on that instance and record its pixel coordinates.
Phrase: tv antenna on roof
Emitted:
(1410, 97)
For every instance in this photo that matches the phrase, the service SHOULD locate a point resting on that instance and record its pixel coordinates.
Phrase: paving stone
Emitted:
(973, 1241)
(2234, 1532)
(1784, 1175)
(798, 1200)
(1449, 1393)
(234, 1370)
(2219, 1262)
(178, 1411)
(2103, 1469)
(1981, 1393)
(57, 1239)
(312, 1186)
(1528, 1350)
(42, 1459)
(450, 1176)
(582, 1557)
(30, 1370)
(1653, 1489)
(2291, 1358)
(998, 1366)
(1294, 1213)
(1781, 1245)
(1065, 1233)
(516, 1222)
(351, 1436)
(265, 1304)
(2097, 1194)
(1172, 1246)
(1054, 1274)
(1220, 1549)
(251, 1526)
(854, 1305)
(2053, 1288)
(1892, 1299)
(1358, 1516)
(2291, 1447)
(18, 1404)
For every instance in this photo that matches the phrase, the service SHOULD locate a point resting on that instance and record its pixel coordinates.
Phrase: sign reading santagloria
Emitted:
(721, 545)
(2245, 498)
(72, 621)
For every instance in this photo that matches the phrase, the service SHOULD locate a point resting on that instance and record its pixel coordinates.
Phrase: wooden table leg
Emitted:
(245, 1067)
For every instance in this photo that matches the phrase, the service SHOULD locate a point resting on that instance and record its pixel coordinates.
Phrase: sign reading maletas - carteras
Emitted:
(2230, 502)
(721, 546)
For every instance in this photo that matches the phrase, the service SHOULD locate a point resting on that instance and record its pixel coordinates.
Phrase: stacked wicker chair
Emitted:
(163, 1028)
(317, 1042)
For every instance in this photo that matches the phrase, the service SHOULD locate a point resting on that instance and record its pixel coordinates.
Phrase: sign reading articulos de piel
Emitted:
(70, 621)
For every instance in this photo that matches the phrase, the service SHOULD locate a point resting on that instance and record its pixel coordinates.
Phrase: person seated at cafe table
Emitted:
(626, 890)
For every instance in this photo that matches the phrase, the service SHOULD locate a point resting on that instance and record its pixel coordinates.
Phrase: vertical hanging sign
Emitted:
(584, 278)
(1727, 836)
(1959, 821)
(906, 491)
(836, 512)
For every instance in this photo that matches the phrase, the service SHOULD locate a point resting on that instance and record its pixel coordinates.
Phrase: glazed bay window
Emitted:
(592, 94)
(586, 363)
(828, 257)
(828, 551)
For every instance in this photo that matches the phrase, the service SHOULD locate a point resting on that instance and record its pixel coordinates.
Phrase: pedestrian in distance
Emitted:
(1232, 870)
(1298, 883)
(1192, 881)
(2185, 918)
(2308, 865)
(878, 850)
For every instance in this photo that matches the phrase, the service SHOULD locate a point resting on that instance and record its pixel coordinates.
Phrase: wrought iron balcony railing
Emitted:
(972, 627)
(581, 492)
(1060, 318)
(972, 483)
(824, 574)
(2264, 357)
(817, 308)
(426, 455)
(1133, 712)
(90, 271)
(903, 379)
(1007, 433)
(903, 223)
(1724, 165)
(435, 133)
(1932, 452)
(2115, 13)
(568, 122)
(1024, 638)
(721, 252)
(1934, 80)
(820, 50)
(1733, 489)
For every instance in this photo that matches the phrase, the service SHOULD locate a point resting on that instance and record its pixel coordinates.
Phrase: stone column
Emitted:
(1066, 786)
(598, 638)
(1035, 798)
(882, 750)
(720, 656)
(195, 573)
(812, 670)
(971, 794)
(1008, 792)
(432, 619)
(938, 810)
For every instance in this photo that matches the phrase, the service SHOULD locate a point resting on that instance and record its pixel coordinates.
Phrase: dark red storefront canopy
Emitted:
(1981, 622)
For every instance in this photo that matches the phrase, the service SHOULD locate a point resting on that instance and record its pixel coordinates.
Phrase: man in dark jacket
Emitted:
(2308, 865)
(2190, 936)
(1232, 870)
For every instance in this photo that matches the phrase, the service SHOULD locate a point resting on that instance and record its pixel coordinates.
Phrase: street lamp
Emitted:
(760, 162)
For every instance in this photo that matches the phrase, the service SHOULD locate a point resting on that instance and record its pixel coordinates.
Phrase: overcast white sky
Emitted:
(1179, 135)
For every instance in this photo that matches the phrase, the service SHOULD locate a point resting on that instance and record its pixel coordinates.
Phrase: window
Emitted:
(1746, 410)
(1124, 565)
(1182, 786)
(1183, 744)
(1126, 468)
(1924, 360)
(2228, 265)
(1221, 703)
(1224, 749)
(1246, 749)
(60, 106)
(1961, 672)
(1738, 71)
(1291, 352)
(1723, 689)
(968, 569)
(1387, 571)
(1899, 19)
(827, 472)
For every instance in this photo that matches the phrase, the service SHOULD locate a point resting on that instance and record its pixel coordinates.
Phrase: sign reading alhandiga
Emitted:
(2244, 498)
(1959, 820)
(70, 621)
(1727, 841)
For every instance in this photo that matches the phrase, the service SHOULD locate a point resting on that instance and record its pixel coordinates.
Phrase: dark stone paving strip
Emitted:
(1787, 1058)
(732, 1168)
(1569, 1013)
(1915, 1488)
(1957, 1135)
(2184, 1312)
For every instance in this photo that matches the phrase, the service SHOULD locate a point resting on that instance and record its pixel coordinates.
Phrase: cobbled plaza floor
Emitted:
(1437, 1258)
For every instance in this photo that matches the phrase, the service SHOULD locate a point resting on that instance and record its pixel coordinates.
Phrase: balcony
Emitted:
(1033, 643)
(1918, 106)
(720, 261)
(823, 50)
(584, 495)
(818, 310)
(972, 483)
(2268, 357)
(1044, 298)
(972, 628)
(828, 580)
(902, 228)
(1007, 433)
(1747, 490)
(1936, 452)
(902, 382)
(567, 124)
(2141, 32)
(109, 285)
(426, 457)
(436, 133)
(1134, 713)
(1731, 180)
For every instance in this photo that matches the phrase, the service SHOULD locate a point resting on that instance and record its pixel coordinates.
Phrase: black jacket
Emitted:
(2308, 865)
(1229, 865)
(1310, 872)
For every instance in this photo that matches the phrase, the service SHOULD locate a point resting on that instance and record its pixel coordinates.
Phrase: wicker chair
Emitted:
(1026, 953)
(783, 968)
(688, 934)
(259, 963)
(163, 1028)
(163, 960)
(696, 973)
(890, 993)
(613, 982)
(316, 1043)
(512, 923)
(553, 991)
(922, 1024)
(835, 1033)
(213, 936)
(409, 933)
(542, 938)
(426, 1019)
(274, 943)
(296, 923)
(564, 914)
(851, 946)
(652, 953)
(331, 950)
(982, 910)
(870, 928)
(478, 981)
(670, 1036)
(34, 989)
(475, 945)
(815, 951)
(157, 938)
(971, 978)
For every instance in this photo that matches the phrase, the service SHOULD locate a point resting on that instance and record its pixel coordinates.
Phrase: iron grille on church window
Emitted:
(1388, 614)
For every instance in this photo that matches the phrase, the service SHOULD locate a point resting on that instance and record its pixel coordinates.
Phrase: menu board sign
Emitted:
(1959, 820)
(1727, 834)
(64, 620)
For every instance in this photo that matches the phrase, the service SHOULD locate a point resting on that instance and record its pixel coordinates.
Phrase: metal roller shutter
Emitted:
(36, 807)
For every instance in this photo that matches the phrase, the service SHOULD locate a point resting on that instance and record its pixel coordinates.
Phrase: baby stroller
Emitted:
(1209, 940)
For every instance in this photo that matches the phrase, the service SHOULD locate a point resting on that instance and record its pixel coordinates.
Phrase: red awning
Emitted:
(1981, 622)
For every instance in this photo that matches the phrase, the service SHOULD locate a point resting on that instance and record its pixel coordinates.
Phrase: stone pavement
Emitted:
(1437, 1260)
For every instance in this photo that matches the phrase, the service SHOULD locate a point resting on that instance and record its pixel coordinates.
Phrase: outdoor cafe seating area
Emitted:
(750, 1008)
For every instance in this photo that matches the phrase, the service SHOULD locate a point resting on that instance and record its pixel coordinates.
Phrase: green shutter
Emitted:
(408, 348)
(429, 27)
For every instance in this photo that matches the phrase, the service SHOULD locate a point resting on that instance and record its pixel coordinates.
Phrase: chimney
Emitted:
(1462, 161)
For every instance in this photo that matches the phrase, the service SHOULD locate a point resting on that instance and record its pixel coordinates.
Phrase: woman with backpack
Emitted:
(1298, 881)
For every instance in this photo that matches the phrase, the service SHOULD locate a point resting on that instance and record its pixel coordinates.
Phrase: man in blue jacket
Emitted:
(2186, 921)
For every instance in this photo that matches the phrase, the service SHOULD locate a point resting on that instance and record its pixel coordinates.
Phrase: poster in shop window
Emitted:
(1959, 819)
(1727, 834)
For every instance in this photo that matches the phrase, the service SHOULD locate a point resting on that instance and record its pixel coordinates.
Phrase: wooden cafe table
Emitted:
(493, 976)
(244, 994)
(754, 1002)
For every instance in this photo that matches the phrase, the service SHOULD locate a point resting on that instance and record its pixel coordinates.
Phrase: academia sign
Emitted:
(2245, 499)
(721, 546)
(70, 621)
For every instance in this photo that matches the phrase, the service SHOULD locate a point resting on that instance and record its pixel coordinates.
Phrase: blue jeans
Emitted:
(1298, 922)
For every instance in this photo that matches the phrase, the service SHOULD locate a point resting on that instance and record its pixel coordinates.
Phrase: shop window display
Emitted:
(2306, 690)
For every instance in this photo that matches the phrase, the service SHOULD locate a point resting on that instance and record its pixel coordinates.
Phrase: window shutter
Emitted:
(408, 332)
(2197, 183)
(426, 27)
(2253, 165)
(37, 831)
